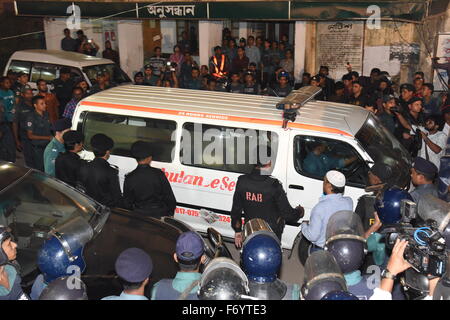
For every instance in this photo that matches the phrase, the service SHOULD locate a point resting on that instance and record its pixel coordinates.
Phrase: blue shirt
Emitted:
(7, 96)
(359, 285)
(181, 282)
(321, 213)
(52, 150)
(38, 286)
(422, 190)
(319, 165)
(126, 296)
(15, 290)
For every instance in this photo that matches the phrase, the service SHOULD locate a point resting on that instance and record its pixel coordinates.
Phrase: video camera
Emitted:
(426, 249)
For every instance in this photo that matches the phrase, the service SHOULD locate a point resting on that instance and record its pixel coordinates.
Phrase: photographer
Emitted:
(186, 69)
(88, 47)
(434, 141)
(396, 265)
(169, 76)
(387, 117)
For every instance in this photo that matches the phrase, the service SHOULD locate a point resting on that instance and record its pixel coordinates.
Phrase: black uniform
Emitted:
(101, 182)
(262, 196)
(68, 166)
(277, 91)
(63, 91)
(147, 190)
(40, 126)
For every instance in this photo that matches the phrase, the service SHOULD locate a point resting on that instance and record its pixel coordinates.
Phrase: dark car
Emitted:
(32, 204)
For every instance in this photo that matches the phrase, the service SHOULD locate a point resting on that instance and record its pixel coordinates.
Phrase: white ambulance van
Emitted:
(171, 118)
(46, 64)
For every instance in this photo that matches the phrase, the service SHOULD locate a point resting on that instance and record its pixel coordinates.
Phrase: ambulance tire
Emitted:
(303, 249)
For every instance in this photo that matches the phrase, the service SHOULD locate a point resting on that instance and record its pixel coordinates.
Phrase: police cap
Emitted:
(382, 171)
(407, 86)
(134, 265)
(141, 150)
(415, 99)
(424, 166)
(316, 78)
(148, 66)
(388, 97)
(102, 142)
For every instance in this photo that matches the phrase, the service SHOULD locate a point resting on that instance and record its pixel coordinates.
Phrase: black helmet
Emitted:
(322, 275)
(65, 288)
(222, 279)
(4, 235)
(345, 241)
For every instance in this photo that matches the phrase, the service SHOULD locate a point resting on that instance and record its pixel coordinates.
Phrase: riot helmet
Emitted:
(258, 226)
(340, 295)
(222, 279)
(345, 241)
(261, 258)
(322, 276)
(388, 206)
(4, 235)
(415, 284)
(65, 288)
(64, 248)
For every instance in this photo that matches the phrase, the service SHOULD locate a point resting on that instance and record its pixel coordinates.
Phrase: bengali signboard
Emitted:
(339, 43)
(175, 10)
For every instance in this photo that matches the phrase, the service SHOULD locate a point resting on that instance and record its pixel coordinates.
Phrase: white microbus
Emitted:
(46, 64)
(184, 127)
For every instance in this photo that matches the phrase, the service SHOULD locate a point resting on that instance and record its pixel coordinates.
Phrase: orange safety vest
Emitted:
(219, 72)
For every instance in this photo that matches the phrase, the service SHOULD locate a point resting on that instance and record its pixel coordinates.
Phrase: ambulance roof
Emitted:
(315, 115)
(66, 58)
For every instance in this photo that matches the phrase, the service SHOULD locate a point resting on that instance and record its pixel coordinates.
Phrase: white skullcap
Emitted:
(336, 178)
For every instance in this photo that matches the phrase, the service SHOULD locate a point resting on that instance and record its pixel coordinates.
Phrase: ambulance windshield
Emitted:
(383, 147)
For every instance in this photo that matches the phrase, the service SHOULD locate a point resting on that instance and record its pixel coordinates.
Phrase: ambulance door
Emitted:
(310, 157)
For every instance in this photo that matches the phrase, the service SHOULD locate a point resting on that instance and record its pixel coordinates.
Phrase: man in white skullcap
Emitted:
(331, 201)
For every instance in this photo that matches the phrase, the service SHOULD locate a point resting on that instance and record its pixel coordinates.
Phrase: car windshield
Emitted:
(34, 206)
(118, 76)
(383, 147)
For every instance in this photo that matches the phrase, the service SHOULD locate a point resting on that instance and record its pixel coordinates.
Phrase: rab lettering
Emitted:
(256, 197)
(180, 177)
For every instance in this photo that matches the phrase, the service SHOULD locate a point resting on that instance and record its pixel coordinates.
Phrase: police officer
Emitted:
(146, 190)
(223, 280)
(39, 131)
(423, 173)
(346, 243)
(100, 179)
(101, 83)
(190, 256)
(379, 177)
(150, 79)
(23, 110)
(261, 260)
(10, 280)
(63, 88)
(54, 258)
(322, 276)
(283, 88)
(134, 267)
(259, 195)
(68, 164)
(56, 145)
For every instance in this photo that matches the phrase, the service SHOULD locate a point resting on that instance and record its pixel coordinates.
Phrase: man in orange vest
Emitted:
(218, 64)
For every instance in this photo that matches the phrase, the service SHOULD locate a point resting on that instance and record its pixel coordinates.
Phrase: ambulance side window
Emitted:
(125, 130)
(224, 148)
(315, 156)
